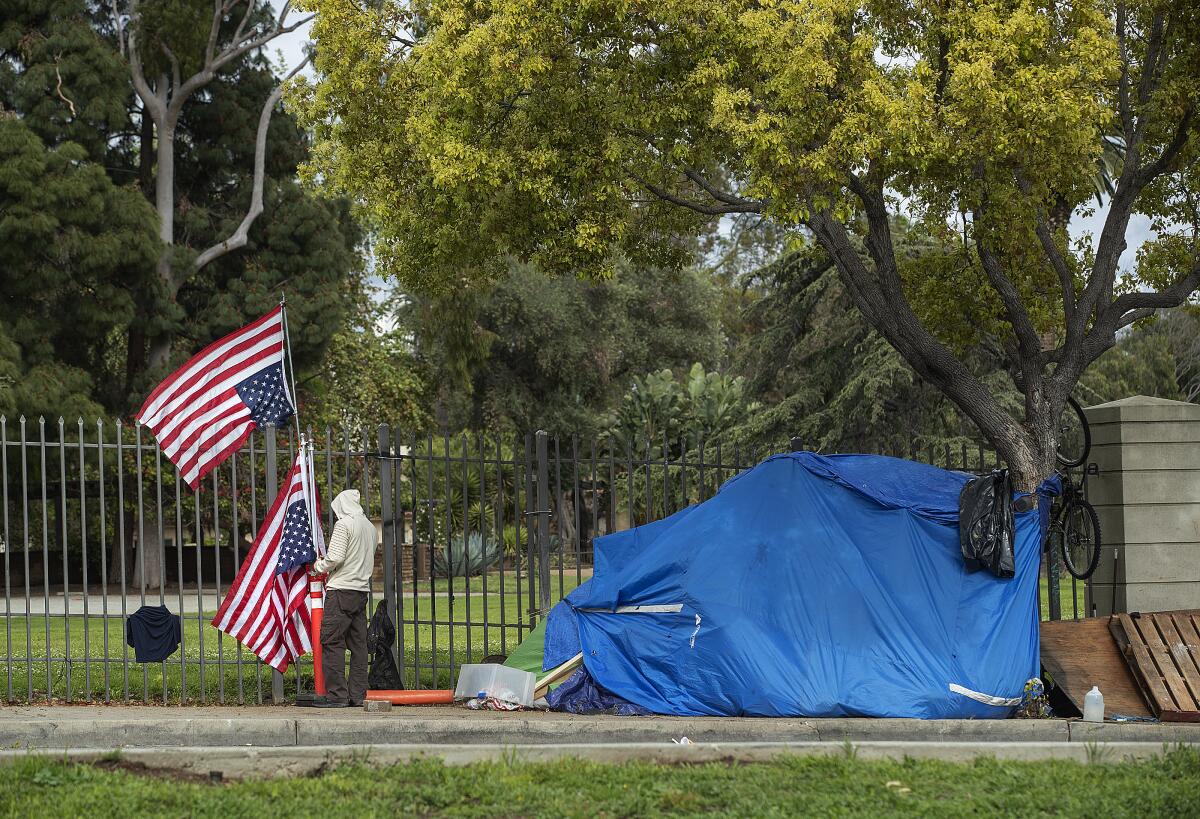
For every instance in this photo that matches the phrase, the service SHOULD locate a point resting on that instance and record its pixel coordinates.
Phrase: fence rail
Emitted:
(480, 536)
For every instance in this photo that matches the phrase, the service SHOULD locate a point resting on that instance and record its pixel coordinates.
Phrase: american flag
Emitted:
(266, 607)
(204, 410)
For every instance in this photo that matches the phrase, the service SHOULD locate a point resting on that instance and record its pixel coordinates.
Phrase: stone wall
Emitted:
(1147, 494)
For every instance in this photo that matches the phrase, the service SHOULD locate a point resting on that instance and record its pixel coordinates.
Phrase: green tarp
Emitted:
(529, 654)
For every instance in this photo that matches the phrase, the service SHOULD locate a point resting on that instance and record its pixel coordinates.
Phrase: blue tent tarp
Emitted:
(809, 585)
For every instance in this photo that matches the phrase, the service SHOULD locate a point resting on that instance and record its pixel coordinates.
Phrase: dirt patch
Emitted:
(168, 774)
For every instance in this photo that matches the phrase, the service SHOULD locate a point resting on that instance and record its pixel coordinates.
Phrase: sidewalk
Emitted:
(99, 727)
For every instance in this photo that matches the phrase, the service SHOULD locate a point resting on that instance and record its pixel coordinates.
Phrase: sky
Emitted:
(290, 46)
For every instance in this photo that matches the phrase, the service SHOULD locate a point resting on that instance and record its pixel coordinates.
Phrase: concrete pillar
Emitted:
(1147, 494)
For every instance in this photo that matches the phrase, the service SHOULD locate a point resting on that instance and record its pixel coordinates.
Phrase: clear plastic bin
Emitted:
(495, 680)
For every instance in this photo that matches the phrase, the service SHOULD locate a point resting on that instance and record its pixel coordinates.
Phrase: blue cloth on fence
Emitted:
(153, 633)
(810, 585)
(579, 694)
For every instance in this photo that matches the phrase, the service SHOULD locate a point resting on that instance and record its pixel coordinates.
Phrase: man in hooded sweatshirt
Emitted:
(348, 562)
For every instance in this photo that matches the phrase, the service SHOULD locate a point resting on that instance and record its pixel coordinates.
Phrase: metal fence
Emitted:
(480, 535)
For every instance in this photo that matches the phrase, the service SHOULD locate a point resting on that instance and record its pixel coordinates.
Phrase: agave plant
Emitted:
(467, 556)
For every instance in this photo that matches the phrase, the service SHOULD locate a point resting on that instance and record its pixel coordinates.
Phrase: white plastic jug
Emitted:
(1093, 706)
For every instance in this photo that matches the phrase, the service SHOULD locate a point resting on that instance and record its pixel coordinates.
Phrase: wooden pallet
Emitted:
(1163, 650)
(1078, 654)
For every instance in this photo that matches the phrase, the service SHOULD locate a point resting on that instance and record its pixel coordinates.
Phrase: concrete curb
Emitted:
(268, 728)
(241, 762)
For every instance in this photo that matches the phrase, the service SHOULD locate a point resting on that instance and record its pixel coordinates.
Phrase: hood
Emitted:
(346, 505)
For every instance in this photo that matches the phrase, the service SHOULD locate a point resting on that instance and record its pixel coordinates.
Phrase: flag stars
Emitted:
(296, 542)
(265, 395)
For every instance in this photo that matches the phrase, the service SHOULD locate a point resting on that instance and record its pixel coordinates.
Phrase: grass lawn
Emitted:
(1065, 592)
(234, 675)
(796, 786)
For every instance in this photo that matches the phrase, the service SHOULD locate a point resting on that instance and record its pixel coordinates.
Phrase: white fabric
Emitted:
(986, 699)
(350, 556)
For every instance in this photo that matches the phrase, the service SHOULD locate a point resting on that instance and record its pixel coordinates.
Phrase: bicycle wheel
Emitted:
(1080, 538)
(1074, 436)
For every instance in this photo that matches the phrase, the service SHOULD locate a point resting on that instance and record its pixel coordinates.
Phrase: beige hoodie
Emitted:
(351, 553)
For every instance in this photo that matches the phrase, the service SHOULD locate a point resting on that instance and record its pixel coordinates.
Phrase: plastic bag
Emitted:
(580, 694)
(986, 525)
(381, 634)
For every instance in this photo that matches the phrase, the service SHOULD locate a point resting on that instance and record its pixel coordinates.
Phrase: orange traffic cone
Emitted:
(316, 597)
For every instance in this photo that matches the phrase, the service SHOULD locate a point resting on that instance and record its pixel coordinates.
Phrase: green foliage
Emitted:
(367, 378)
(675, 415)
(539, 131)
(1142, 363)
(537, 352)
(456, 484)
(80, 246)
(580, 135)
(824, 376)
(72, 244)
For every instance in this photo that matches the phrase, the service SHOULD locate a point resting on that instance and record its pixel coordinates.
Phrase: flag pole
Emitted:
(316, 584)
(291, 373)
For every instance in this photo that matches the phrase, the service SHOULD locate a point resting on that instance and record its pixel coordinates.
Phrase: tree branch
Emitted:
(1172, 296)
(239, 237)
(241, 26)
(1133, 181)
(1147, 84)
(1123, 83)
(1066, 278)
(118, 29)
(747, 206)
(214, 29)
(175, 78)
(59, 88)
(1028, 344)
(210, 69)
(151, 102)
(886, 308)
(714, 192)
(1152, 171)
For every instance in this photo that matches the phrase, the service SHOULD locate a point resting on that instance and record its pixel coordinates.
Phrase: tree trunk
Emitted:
(164, 204)
(1030, 458)
(147, 563)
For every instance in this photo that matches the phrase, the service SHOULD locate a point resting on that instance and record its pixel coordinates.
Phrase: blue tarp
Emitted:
(809, 585)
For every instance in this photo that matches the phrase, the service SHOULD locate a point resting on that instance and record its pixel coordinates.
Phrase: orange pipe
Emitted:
(412, 697)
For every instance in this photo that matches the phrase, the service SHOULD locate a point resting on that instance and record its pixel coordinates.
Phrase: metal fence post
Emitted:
(543, 521)
(387, 467)
(272, 491)
(1054, 577)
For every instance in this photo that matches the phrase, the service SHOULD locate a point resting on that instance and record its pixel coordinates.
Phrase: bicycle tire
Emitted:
(1088, 519)
(1065, 458)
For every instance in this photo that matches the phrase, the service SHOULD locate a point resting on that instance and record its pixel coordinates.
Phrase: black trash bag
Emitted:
(986, 525)
(381, 635)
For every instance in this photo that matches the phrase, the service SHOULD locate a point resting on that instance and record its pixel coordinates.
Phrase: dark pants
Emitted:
(344, 627)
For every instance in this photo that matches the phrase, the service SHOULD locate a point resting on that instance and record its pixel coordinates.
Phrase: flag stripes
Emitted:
(265, 610)
(205, 410)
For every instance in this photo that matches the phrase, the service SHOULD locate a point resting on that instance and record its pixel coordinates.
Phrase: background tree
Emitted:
(67, 237)
(532, 351)
(174, 52)
(369, 377)
(62, 74)
(573, 134)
